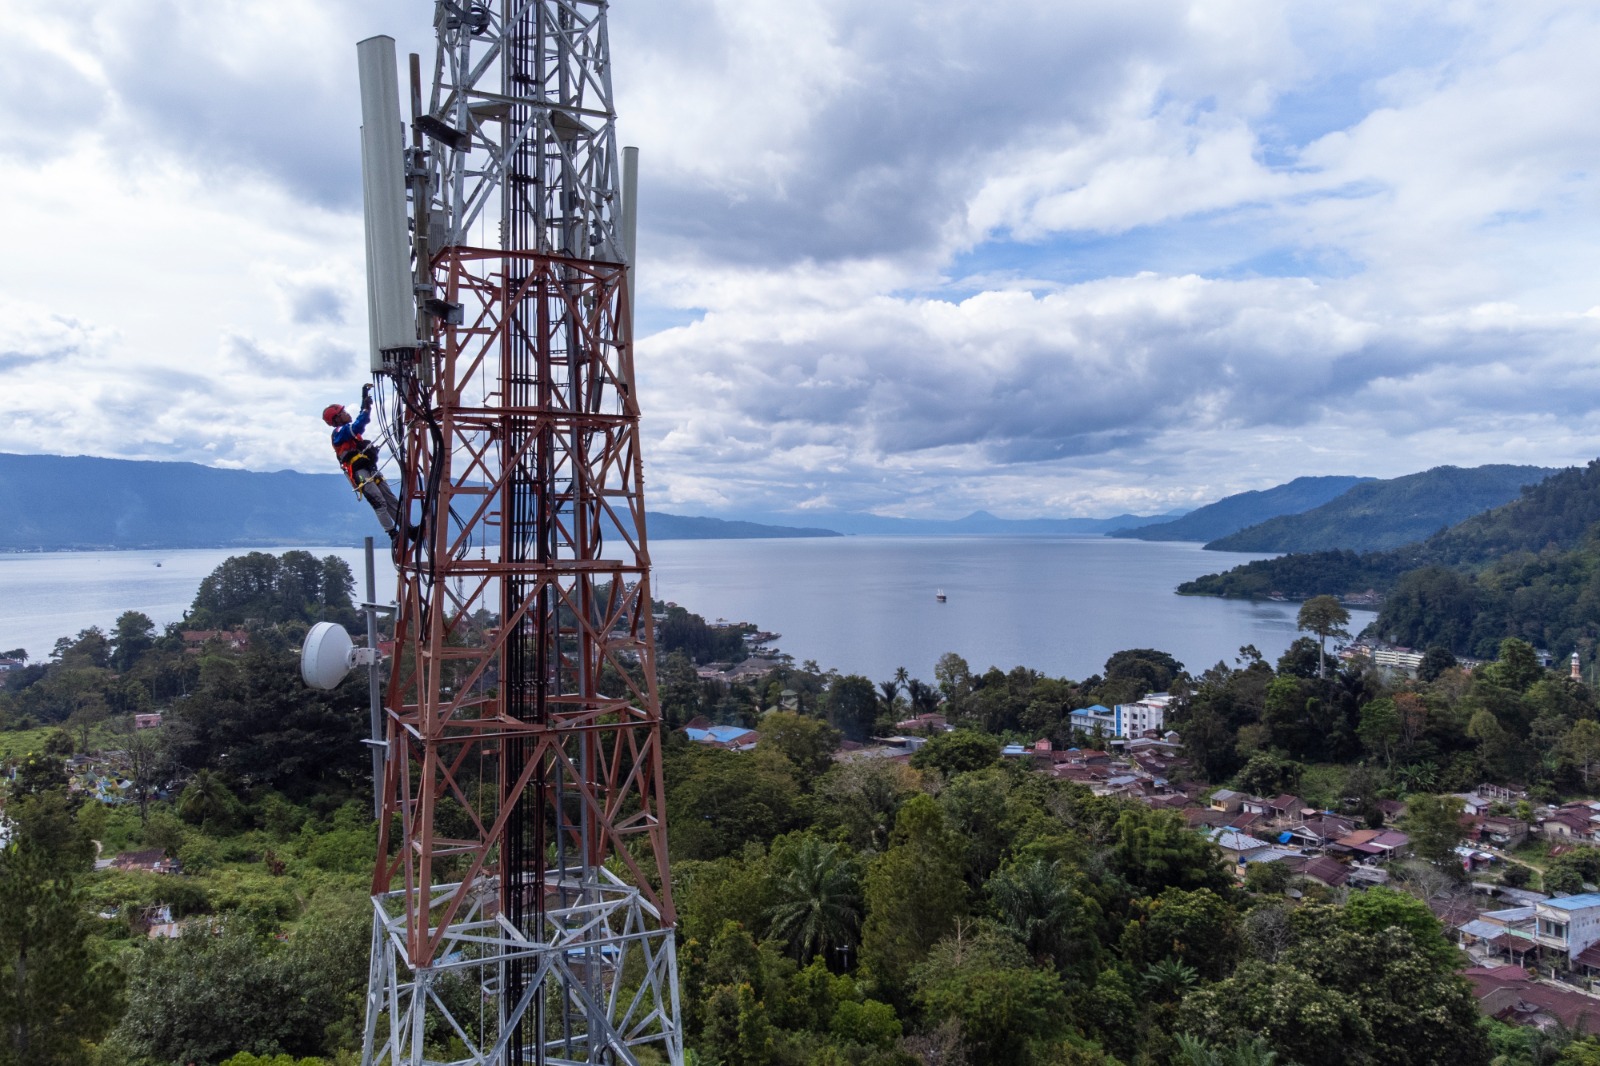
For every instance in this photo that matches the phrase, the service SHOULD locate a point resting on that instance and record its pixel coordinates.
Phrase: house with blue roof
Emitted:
(729, 737)
(1106, 721)
(1569, 924)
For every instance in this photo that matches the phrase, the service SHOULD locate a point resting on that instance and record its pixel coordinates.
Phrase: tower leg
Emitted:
(601, 983)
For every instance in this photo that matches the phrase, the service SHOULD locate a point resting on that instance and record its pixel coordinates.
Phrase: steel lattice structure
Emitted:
(522, 851)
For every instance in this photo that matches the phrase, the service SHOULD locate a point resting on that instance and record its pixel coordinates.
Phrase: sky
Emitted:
(910, 257)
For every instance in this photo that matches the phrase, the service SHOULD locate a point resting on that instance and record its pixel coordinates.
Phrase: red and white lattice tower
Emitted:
(521, 898)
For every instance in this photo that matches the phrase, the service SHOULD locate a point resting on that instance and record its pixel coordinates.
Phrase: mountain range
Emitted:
(1233, 513)
(1529, 568)
(1374, 515)
(70, 503)
(978, 523)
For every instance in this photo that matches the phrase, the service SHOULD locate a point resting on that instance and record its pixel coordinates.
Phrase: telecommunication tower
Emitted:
(522, 903)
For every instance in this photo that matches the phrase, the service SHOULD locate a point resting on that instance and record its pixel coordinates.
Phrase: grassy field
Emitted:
(22, 741)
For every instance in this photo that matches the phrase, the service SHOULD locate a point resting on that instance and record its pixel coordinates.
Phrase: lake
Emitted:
(1061, 605)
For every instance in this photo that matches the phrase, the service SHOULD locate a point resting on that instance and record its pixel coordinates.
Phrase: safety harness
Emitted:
(353, 452)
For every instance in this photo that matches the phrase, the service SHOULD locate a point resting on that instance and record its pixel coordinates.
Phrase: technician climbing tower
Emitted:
(522, 905)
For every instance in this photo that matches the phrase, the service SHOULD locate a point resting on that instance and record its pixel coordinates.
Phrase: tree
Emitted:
(983, 979)
(1326, 617)
(1301, 659)
(1582, 746)
(914, 893)
(720, 800)
(1516, 668)
(957, 752)
(1155, 850)
(1269, 878)
(209, 803)
(1249, 1051)
(132, 636)
(863, 797)
(806, 742)
(924, 698)
(1037, 904)
(889, 702)
(1292, 1012)
(1435, 661)
(1380, 729)
(852, 706)
(1434, 825)
(737, 1030)
(818, 896)
(1269, 774)
(1497, 746)
(200, 998)
(1148, 669)
(1389, 956)
(953, 676)
(55, 997)
(1378, 909)
(1198, 928)
(1170, 979)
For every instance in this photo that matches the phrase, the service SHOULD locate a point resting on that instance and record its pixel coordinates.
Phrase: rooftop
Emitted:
(722, 734)
(1582, 901)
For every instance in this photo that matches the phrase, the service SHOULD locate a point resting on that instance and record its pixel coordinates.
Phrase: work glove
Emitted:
(366, 396)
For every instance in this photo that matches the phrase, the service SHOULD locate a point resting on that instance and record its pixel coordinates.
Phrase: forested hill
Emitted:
(1233, 513)
(65, 503)
(1387, 514)
(1529, 569)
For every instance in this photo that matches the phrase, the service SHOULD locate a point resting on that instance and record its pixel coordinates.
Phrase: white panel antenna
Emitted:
(390, 296)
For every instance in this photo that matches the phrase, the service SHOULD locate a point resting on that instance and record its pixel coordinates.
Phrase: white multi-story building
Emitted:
(1097, 720)
(1568, 924)
(1149, 713)
(1125, 719)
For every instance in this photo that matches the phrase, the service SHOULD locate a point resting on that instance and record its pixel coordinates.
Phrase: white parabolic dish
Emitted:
(326, 656)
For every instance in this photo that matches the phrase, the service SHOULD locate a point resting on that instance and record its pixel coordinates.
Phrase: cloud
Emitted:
(1009, 387)
(914, 257)
(317, 360)
(315, 303)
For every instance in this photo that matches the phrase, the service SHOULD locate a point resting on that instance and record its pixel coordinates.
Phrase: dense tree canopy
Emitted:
(842, 908)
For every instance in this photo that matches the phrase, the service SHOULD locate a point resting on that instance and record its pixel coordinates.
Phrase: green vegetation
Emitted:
(962, 908)
(1529, 569)
(1378, 515)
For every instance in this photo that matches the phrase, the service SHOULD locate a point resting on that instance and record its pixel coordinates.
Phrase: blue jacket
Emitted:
(351, 450)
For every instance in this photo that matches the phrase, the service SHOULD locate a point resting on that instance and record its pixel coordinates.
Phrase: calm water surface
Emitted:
(865, 605)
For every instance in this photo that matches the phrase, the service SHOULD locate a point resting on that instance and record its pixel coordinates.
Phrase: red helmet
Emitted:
(332, 412)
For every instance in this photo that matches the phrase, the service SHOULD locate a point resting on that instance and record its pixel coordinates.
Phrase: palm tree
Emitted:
(1419, 777)
(1251, 1052)
(207, 801)
(1035, 902)
(924, 698)
(889, 696)
(1170, 978)
(819, 904)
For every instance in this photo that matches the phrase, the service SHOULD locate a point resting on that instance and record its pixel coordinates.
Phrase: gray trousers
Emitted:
(376, 492)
